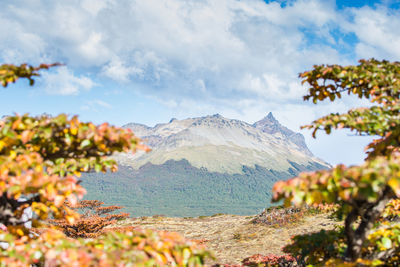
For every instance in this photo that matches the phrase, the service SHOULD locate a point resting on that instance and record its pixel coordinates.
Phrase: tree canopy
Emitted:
(364, 193)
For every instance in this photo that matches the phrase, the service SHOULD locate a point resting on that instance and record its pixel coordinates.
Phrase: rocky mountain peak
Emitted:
(270, 117)
(266, 123)
(272, 126)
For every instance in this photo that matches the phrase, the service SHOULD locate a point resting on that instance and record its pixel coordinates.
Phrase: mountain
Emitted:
(270, 125)
(221, 145)
(205, 165)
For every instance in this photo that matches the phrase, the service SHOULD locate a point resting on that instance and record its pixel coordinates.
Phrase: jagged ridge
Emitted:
(222, 145)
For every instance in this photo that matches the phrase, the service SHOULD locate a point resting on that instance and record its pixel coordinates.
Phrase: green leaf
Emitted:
(386, 242)
(85, 143)
(97, 167)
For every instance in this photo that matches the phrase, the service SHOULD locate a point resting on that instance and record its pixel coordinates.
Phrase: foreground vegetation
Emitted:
(362, 192)
(41, 158)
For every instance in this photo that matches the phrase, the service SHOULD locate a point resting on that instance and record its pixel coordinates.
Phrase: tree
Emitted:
(362, 192)
(40, 160)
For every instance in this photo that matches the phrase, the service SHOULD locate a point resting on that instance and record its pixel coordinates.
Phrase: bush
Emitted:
(40, 160)
(92, 221)
(280, 216)
(364, 192)
(270, 260)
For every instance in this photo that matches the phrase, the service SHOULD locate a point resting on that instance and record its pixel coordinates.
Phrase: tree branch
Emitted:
(356, 238)
(8, 207)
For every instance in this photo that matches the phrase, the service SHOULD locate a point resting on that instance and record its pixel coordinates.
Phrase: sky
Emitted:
(148, 61)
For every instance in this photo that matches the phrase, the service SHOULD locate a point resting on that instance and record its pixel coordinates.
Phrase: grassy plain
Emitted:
(233, 237)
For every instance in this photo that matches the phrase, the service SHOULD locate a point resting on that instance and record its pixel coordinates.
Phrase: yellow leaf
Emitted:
(38, 168)
(13, 154)
(2, 185)
(39, 207)
(20, 232)
(17, 195)
(74, 131)
(395, 185)
(70, 219)
(51, 191)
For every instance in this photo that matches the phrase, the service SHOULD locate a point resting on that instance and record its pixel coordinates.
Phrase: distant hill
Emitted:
(202, 166)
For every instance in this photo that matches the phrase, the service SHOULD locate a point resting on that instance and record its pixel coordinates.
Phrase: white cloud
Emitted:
(96, 105)
(195, 55)
(378, 32)
(94, 6)
(119, 71)
(93, 49)
(170, 45)
(63, 82)
(102, 103)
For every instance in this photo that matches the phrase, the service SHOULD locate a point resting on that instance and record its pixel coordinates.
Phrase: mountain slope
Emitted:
(202, 166)
(221, 145)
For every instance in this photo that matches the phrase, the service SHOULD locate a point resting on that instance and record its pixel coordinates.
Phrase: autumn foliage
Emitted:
(93, 219)
(270, 260)
(365, 194)
(131, 248)
(10, 73)
(41, 159)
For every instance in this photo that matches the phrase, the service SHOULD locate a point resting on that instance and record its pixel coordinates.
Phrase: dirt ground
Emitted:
(231, 237)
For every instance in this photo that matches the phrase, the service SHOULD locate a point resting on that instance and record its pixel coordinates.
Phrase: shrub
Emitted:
(270, 260)
(280, 216)
(361, 192)
(92, 221)
(40, 160)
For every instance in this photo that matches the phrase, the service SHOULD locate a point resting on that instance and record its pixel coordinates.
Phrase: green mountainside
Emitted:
(203, 166)
(176, 188)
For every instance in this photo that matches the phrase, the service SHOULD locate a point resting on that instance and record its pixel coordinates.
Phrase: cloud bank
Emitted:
(226, 55)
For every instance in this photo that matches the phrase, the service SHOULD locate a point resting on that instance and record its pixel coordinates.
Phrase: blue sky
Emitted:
(148, 61)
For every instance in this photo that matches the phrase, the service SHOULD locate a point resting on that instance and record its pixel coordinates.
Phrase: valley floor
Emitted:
(232, 237)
